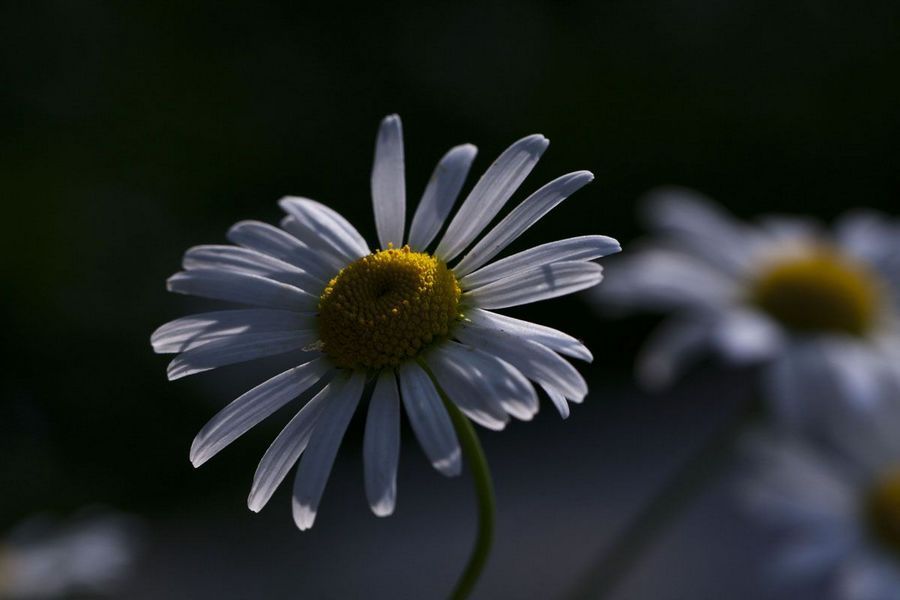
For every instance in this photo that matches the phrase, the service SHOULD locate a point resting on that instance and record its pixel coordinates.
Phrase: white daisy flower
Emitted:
(414, 323)
(92, 555)
(839, 511)
(818, 309)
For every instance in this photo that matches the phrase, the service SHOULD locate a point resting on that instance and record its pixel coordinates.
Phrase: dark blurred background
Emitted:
(131, 131)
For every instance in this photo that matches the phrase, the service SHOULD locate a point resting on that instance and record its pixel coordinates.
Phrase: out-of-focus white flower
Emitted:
(819, 309)
(838, 506)
(412, 319)
(43, 558)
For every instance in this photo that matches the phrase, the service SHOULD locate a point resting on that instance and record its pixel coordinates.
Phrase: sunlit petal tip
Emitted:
(304, 515)
(383, 508)
(451, 466)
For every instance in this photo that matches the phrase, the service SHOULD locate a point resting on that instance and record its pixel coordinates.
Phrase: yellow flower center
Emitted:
(882, 511)
(819, 293)
(386, 307)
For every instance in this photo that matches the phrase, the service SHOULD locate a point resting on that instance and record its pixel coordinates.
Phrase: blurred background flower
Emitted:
(133, 130)
(819, 310)
(836, 508)
(88, 555)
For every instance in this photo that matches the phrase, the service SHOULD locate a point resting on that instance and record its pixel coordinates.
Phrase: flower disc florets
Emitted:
(386, 307)
(819, 293)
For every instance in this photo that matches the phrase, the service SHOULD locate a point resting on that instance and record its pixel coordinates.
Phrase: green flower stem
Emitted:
(651, 520)
(484, 491)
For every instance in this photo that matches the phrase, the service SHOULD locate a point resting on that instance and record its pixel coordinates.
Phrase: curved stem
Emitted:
(484, 491)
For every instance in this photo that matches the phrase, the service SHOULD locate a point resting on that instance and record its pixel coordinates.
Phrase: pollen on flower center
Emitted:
(882, 511)
(819, 293)
(386, 307)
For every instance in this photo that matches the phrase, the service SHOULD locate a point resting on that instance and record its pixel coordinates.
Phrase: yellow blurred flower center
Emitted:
(883, 510)
(819, 293)
(387, 307)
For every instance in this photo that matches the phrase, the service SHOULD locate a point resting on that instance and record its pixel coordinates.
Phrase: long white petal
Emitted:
(237, 348)
(280, 244)
(252, 407)
(284, 451)
(388, 183)
(429, 419)
(491, 192)
(484, 387)
(547, 336)
(582, 248)
(314, 469)
(381, 445)
(195, 330)
(331, 259)
(440, 195)
(559, 401)
(520, 219)
(548, 281)
(241, 288)
(537, 362)
(251, 262)
(327, 225)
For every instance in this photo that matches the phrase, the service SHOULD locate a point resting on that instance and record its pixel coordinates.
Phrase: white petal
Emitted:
(195, 330)
(520, 219)
(746, 336)
(331, 259)
(289, 445)
(559, 401)
(480, 383)
(581, 248)
(314, 469)
(670, 349)
(270, 240)
(241, 288)
(381, 445)
(552, 338)
(388, 183)
(327, 225)
(537, 362)
(665, 279)
(489, 195)
(237, 348)
(548, 281)
(440, 195)
(698, 225)
(429, 419)
(252, 407)
(251, 262)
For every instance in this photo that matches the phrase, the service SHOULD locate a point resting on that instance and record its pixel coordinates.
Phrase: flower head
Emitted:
(819, 310)
(403, 323)
(837, 504)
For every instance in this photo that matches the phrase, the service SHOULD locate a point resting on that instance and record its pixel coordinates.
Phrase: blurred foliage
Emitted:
(135, 130)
